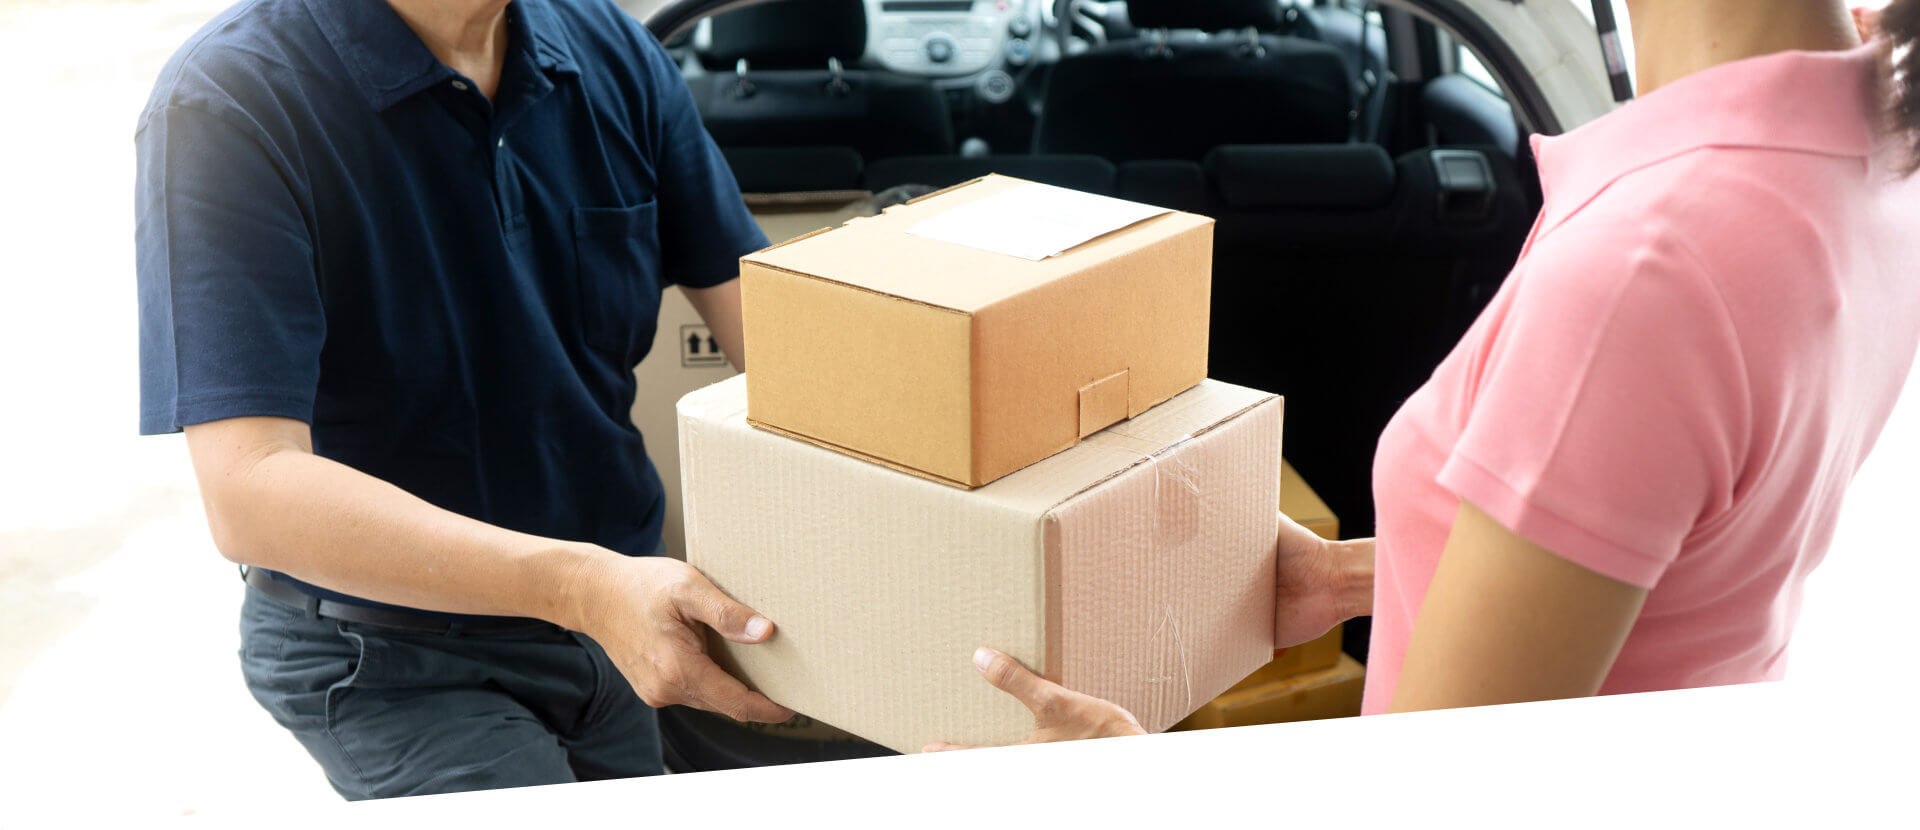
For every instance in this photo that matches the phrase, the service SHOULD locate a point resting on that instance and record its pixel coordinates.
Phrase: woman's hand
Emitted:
(1321, 583)
(1059, 714)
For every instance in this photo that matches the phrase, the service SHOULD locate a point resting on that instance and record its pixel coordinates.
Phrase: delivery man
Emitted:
(396, 263)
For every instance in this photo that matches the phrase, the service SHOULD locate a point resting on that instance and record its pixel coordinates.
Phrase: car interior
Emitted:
(1367, 176)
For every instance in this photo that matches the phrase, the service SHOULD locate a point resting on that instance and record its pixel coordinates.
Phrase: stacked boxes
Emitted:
(1074, 492)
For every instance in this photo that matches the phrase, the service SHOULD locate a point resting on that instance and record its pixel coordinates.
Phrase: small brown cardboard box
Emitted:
(979, 329)
(1137, 566)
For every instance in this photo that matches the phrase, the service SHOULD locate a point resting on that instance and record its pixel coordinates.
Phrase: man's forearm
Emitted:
(333, 526)
(271, 502)
(719, 308)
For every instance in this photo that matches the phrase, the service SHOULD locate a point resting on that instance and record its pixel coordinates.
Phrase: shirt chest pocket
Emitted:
(616, 270)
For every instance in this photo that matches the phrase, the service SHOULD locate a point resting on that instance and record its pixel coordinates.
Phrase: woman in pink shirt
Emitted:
(1620, 478)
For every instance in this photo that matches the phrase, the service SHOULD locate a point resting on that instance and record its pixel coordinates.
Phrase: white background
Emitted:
(120, 692)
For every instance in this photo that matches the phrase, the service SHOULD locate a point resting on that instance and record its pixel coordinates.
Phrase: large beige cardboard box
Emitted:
(976, 330)
(685, 356)
(1137, 566)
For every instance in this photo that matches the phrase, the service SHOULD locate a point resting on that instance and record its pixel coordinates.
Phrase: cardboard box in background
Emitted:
(1303, 505)
(1137, 566)
(1313, 655)
(943, 358)
(683, 357)
(1332, 692)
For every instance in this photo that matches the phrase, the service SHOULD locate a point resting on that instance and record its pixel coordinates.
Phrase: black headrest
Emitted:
(1208, 15)
(1269, 177)
(790, 34)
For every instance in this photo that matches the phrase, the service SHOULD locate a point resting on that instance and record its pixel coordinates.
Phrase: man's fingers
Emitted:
(1007, 675)
(700, 600)
(709, 687)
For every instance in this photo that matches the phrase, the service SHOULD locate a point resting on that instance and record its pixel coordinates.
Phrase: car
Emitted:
(1367, 165)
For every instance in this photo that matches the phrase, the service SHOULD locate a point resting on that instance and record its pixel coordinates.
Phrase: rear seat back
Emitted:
(1155, 98)
(794, 169)
(788, 97)
(1342, 277)
(1179, 185)
(1124, 102)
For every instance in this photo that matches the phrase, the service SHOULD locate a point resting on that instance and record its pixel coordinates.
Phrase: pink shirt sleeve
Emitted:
(1608, 410)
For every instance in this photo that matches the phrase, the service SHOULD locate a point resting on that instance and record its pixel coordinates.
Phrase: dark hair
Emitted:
(1900, 23)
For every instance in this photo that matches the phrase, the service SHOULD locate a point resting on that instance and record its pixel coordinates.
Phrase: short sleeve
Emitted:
(705, 227)
(1610, 407)
(231, 322)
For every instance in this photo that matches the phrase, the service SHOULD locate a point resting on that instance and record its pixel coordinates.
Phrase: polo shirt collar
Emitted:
(389, 63)
(1833, 97)
(550, 49)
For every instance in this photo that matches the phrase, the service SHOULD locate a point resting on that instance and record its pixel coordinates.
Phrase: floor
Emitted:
(119, 686)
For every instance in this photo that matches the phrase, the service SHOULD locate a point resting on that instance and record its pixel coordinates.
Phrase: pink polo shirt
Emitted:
(1698, 346)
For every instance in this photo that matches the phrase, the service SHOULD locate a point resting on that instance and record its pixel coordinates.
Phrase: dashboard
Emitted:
(950, 37)
(981, 43)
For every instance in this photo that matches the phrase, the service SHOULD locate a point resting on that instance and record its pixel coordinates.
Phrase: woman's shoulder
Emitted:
(1722, 215)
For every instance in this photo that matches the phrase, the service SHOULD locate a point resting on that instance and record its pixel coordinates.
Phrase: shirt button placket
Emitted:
(500, 196)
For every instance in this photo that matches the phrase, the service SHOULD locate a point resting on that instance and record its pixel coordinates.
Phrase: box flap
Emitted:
(878, 254)
(1103, 403)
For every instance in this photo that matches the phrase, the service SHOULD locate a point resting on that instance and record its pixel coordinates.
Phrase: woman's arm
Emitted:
(1506, 620)
(272, 503)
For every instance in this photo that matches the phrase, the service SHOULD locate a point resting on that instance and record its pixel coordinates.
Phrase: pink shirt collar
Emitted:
(1831, 96)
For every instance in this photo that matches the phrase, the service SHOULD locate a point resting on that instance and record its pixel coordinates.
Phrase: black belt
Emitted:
(285, 594)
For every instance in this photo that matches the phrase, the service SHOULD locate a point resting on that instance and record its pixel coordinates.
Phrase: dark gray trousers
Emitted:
(388, 712)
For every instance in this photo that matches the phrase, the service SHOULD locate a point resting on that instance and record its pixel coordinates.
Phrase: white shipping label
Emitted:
(1033, 221)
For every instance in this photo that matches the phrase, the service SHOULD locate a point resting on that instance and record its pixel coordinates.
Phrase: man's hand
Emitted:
(1321, 583)
(647, 613)
(1059, 714)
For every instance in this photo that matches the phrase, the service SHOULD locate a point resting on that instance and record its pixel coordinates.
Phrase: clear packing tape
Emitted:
(1174, 508)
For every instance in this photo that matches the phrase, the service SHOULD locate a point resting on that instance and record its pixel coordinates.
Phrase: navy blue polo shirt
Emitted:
(335, 227)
